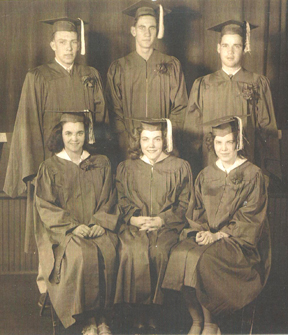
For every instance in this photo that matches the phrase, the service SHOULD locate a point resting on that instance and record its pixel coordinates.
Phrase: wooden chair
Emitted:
(55, 320)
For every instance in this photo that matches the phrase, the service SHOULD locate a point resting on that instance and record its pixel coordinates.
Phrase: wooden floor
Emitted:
(19, 313)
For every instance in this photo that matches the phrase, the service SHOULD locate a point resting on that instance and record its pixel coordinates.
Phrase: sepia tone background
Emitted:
(25, 44)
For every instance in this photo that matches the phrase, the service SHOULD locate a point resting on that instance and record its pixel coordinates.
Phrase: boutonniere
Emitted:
(89, 81)
(87, 167)
(162, 68)
(250, 93)
(237, 178)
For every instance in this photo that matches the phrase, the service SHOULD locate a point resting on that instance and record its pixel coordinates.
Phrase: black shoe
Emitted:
(139, 330)
(153, 330)
(42, 299)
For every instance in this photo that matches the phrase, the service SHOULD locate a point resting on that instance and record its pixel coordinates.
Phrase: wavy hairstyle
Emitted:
(55, 142)
(134, 149)
(209, 141)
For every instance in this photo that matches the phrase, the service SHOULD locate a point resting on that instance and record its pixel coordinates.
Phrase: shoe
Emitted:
(139, 330)
(42, 299)
(90, 330)
(103, 329)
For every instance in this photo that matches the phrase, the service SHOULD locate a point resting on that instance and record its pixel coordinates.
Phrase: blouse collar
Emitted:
(239, 161)
(63, 154)
(160, 158)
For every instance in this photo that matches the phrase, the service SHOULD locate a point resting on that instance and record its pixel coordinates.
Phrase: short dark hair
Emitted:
(138, 17)
(134, 149)
(55, 142)
(209, 141)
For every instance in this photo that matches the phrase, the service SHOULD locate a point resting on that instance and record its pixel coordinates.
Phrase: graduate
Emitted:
(234, 88)
(49, 90)
(223, 260)
(146, 83)
(154, 189)
(75, 233)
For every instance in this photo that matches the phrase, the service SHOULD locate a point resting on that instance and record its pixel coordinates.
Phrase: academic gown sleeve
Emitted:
(267, 129)
(114, 97)
(57, 221)
(178, 94)
(128, 208)
(107, 212)
(27, 147)
(174, 215)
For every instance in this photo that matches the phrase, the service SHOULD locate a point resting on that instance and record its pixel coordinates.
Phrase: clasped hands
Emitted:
(206, 237)
(88, 232)
(147, 223)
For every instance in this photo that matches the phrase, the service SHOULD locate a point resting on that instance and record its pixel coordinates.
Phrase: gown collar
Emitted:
(63, 154)
(161, 158)
(239, 161)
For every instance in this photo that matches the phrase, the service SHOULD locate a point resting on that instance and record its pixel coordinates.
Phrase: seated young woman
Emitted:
(75, 234)
(154, 189)
(223, 262)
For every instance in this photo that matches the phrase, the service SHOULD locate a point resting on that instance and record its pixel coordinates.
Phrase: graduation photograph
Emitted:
(143, 167)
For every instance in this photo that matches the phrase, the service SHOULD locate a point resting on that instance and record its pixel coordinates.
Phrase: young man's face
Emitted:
(231, 51)
(145, 31)
(65, 45)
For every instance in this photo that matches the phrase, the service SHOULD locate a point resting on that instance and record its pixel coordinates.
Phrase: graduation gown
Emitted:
(229, 273)
(246, 93)
(141, 89)
(79, 272)
(144, 190)
(48, 90)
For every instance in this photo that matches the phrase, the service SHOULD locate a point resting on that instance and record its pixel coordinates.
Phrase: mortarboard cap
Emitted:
(158, 124)
(72, 117)
(68, 24)
(227, 125)
(142, 8)
(233, 27)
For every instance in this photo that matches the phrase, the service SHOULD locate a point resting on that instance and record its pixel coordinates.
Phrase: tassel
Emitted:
(161, 23)
(247, 42)
(169, 138)
(240, 138)
(90, 129)
(82, 37)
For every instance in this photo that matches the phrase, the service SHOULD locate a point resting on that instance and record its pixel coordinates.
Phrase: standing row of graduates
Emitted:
(221, 264)
(75, 198)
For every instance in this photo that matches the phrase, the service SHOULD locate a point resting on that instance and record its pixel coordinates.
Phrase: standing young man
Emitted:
(48, 90)
(146, 83)
(234, 90)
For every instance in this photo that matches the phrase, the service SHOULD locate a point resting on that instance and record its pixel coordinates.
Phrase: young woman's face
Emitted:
(151, 143)
(73, 134)
(225, 148)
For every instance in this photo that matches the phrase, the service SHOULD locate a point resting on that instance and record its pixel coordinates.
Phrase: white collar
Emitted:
(63, 154)
(239, 161)
(160, 158)
(68, 69)
(232, 74)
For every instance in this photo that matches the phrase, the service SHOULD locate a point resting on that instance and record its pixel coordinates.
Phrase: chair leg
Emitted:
(248, 315)
(55, 322)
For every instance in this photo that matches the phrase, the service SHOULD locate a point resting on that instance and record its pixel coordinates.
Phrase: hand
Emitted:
(206, 237)
(82, 231)
(139, 221)
(151, 224)
(96, 231)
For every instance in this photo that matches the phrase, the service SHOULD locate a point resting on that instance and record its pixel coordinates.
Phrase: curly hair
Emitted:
(55, 142)
(209, 141)
(134, 149)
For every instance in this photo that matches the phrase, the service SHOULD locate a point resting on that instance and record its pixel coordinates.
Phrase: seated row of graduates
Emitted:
(216, 233)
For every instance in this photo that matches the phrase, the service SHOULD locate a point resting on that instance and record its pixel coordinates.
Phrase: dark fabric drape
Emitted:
(25, 41)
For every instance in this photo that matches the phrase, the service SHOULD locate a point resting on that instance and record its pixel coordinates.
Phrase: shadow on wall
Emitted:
(178, 28)
(99, 55)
